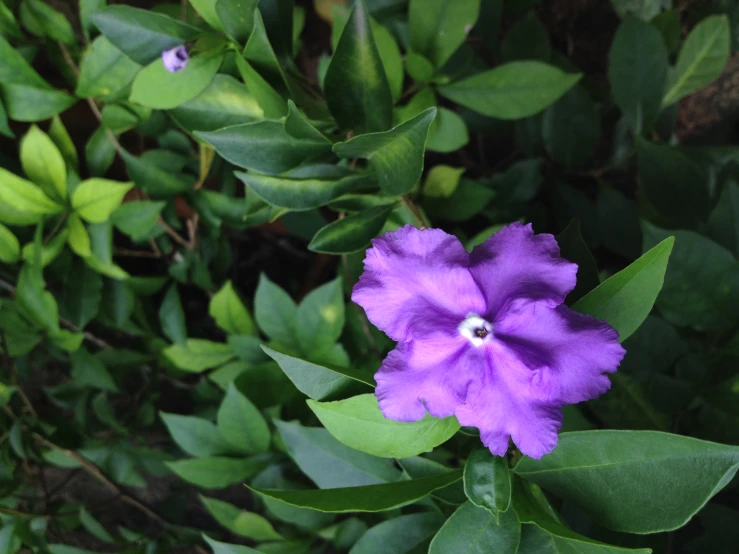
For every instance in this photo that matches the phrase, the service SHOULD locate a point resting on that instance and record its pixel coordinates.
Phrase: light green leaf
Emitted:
(196, 436)
(241, 424)
(356, 87)
(105, 70)
(275, 311)
(10, 248)
(26, 201)
(43, 163)
(701, 59)
(273, 104)
(320, 318)
(625, 479)
(197, 355)
(638, 76)
(142, 34)
(330, 464)
(487, 482)
(442, 180)
(396, 156)
(207, 10)
(217, 472)
(368, 498)
(95, 199)
(49, 251)
(438, 27)
(236, 17)
(511, 91)
(319, 382)
(352, 233)
(247, 524)
(155, 87)
(475, 530)
(58, 133)
(359, 423)
(230, 313)
(625, 300)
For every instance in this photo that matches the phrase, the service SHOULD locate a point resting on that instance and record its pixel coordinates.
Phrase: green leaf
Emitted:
(142, 34)
(37, 303)
(352, 233)
(82, 294)
(320, 318)
(723, 223)
(32, 103)
(172, 317)
(99, 152)
(644, 9)
(359, 423)
(573, 248)
(241, 424)
(527, 39)
(638, 76)
(542, 532)
(625, 299)
(437, 27)
(673, 183)
(442, 180)
(511, 91)
(155, 87)
(48, 251)
(105, 70)
(700, 287)
(267, 97)
(275, 311)
(236, 17)
(44, 21)
(330, 464)
(230, 313)
(153, 179)
(247, 524)
(43, 163)
(225, 548)
(207, 10)
(196, 436)
(87, 370)
(224, 102)
(319, 382)
(270, 147)
(198, 355)
(396, 156)
(27, 202)
(701, 59)
(476, 531)
(400, 535)
(487, 482)
(260, 54)
(356, 87)
(571, 128)
(306, 193)
(368, 498)
(448, 132)
(137, 219)
(625, 479)
(93, 526)
(216, 472)
(59, 135)
(95, 199)
(10, 248)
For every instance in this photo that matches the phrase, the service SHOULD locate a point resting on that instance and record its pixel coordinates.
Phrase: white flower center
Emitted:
(476, 329)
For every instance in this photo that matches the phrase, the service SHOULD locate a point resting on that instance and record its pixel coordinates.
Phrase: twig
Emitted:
(414, 211)
(14, 374)
(136, 253)
(172, 233)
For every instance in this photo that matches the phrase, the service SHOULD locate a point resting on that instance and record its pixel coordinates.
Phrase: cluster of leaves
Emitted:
(463, 114)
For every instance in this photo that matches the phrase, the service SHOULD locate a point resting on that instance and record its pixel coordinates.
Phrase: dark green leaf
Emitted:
(476, 531)
(224, 548)
(196, 436)
(153, 179)
(352, 233)
(527, 39)
(400, 535)
(82, 294)
(172, 316)
(137, 219)
(217, 472)
(437, 27)
(236, 17)
(573, 248)
(241, 424)
(105, 70)
(357, 90)
(87, 370)
(320, 318)
(246, 524)
(571, 128)
(275, 311)
(487, 482)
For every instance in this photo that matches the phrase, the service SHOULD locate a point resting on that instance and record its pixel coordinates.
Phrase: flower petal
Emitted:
(515, 263)
(569, 353)
(436, 374)
(503, 407)
(416, 282)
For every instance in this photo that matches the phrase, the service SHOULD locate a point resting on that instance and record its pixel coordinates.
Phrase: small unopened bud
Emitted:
(175, 59)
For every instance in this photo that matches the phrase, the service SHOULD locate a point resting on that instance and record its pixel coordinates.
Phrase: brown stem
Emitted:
(414, 211)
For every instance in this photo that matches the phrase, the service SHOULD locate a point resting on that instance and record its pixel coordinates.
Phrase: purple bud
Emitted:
(175, 59)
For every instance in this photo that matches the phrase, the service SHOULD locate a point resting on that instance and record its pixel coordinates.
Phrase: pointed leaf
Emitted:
(241, 423)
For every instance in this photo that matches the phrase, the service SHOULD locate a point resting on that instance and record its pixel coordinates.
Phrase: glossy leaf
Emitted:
(701, 59)
(105, 70)
(396, 156)
(487, 482)
(241, 522)
(25, 202)
(352, 233)
(625, 299)
(236, 17)
(356, 87)
(400, 535)
(625, 479)
(475, 530)
(136, 219)
(10, 248)
(369, 498)
(359, 423)
(511, 91)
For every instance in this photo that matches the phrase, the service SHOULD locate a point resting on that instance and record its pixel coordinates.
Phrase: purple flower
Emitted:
(175, 59)
(484, 336)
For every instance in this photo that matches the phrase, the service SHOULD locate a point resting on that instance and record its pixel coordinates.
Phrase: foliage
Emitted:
(182, 367)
